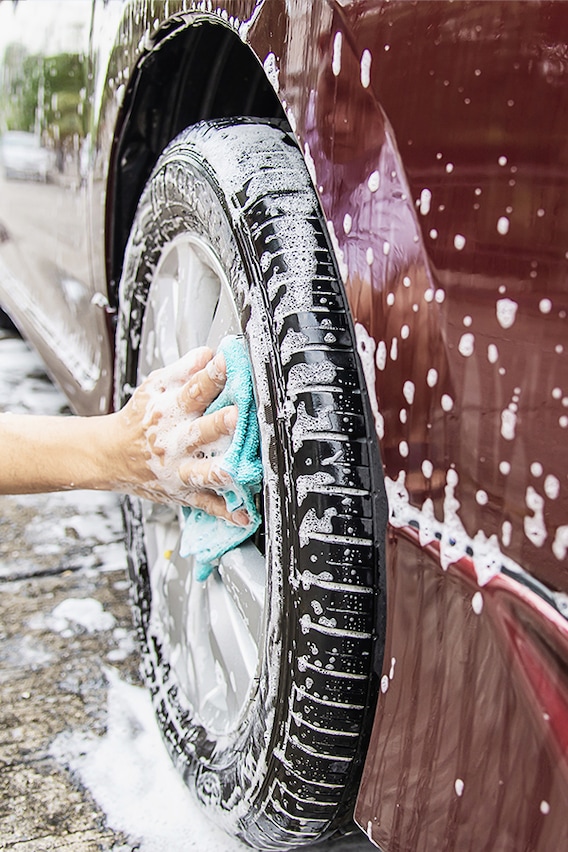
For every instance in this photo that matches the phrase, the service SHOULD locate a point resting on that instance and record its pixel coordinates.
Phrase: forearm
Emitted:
(55, 453)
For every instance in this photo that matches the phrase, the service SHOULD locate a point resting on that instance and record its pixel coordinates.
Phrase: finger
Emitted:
(203, 473)
(215, 505)
(211, 427)
(182, 370)
(205, 386)
(190, 363)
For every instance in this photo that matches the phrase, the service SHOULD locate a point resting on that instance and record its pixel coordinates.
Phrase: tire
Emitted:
(291, 623)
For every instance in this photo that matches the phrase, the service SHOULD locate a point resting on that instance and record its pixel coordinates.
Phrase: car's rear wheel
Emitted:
(263, 675)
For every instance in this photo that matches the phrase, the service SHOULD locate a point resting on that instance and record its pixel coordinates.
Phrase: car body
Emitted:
(435, 136)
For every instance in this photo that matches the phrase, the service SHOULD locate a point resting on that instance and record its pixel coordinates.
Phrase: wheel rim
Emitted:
(210, 631)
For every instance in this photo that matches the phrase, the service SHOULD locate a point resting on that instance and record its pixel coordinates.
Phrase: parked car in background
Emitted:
(374, 194)
(23, 156)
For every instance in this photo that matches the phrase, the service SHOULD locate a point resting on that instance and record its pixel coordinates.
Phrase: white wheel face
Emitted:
(210, 631)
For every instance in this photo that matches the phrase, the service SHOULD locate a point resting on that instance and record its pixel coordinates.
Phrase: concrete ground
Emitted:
(55, 551)
(51, 682)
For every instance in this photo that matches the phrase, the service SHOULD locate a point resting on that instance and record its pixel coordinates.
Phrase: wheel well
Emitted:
(197, 72)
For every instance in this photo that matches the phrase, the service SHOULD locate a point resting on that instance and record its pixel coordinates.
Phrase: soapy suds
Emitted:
(425, 201)
(408, 391)
(477, 603)
(492, 353)
(466, 345)
(534, 525)
(366, 350)
(366, 60)
(432, 377)
(336, 58)
(506, 310)
(454, 543)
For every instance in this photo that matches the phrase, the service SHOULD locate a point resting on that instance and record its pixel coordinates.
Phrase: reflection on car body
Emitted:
(406, 325)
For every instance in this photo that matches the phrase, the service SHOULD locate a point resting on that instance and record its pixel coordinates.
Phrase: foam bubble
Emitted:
(336, 57)
(506, 312)
(366, 60)
(466, 344)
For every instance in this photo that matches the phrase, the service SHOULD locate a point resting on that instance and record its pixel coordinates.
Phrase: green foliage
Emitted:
(42, 94)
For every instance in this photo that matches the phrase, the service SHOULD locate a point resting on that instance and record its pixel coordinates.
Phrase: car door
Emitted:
(45, 279)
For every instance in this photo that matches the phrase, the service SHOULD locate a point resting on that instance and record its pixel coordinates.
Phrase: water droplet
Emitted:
(505, 468)
(551, 487)
(374, 181)
(503, 225)
(425, 201)
(432, 377)
(347, 223)
(477, 603)
(336, 58)
(536, 469)
(545, 306)
(433, 233)
(502, 161)
(481, 497)
(447, 402)
(459, 241)
(466, 345)
(506, 312)
(449, 168)
(366, 59)
(408, 391)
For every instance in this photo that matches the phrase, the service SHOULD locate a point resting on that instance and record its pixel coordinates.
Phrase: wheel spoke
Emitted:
(225, 320)
(243, 572)
(235, 653)
(164, 300)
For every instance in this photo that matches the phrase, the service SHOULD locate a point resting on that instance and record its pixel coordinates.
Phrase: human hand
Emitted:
(168, 446)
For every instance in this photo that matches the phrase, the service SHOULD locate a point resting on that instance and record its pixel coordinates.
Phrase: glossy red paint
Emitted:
(469, 745)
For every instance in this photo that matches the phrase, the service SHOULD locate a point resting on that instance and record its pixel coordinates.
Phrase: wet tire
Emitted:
(282, 769)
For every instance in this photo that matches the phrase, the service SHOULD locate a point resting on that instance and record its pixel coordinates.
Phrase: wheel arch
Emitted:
(198, 70)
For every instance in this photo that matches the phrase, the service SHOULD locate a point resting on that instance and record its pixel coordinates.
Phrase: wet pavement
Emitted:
(55, 549)
(82, 764)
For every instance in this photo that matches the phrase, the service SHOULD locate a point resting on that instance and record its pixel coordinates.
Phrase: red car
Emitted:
(374, 195)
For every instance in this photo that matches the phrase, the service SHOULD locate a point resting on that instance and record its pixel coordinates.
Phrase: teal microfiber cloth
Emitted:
(204, 536)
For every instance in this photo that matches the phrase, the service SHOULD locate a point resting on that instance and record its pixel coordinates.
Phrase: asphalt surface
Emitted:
(68, 658)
